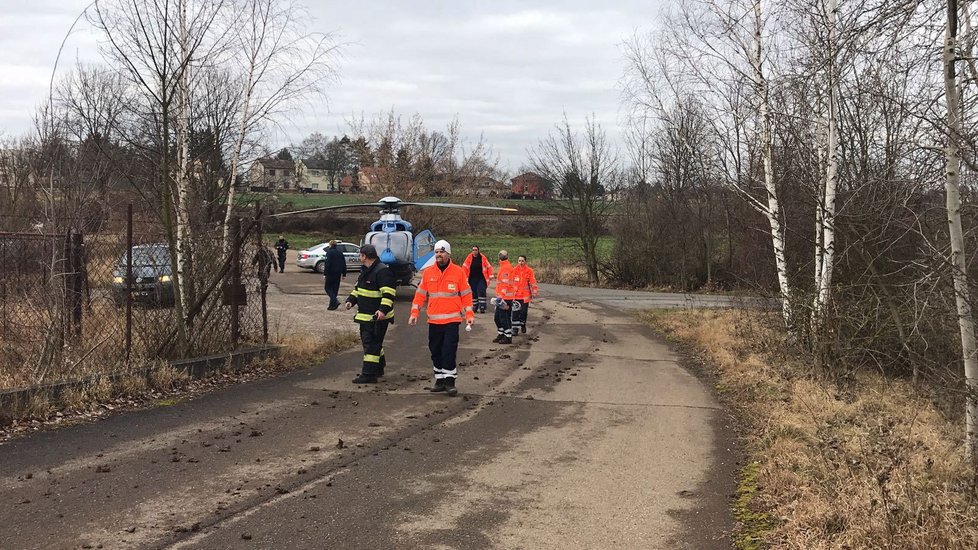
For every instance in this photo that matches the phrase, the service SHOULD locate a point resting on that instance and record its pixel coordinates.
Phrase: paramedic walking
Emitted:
(445, 286)
(480, 273)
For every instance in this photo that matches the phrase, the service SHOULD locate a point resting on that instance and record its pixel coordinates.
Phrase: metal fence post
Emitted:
(262, 278)
(77, 279)
(235, 280)
(128, 282)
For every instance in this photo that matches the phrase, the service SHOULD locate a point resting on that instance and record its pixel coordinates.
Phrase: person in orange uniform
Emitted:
(525, 285)
(480, 273)
(505, 293)
(445, 286)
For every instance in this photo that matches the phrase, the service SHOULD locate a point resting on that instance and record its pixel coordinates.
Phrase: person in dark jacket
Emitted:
(280, 247)
(374, 297)
(264, 260)
(334, 269)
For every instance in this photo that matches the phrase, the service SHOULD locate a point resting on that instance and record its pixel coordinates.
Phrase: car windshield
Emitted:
(148, 256)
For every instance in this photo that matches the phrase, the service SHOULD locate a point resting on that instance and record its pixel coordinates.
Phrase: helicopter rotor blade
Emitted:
(454, 205)
(336, 207)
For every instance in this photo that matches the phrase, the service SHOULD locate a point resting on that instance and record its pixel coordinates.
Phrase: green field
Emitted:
(296, 201)
(536, 249)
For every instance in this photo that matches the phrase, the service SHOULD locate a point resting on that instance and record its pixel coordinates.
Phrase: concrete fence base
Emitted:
(14, 402)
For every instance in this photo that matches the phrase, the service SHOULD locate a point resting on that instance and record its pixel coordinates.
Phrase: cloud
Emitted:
(508, 72)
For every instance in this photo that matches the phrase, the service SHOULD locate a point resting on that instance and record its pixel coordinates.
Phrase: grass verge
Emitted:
(871, 465)
(165, 386)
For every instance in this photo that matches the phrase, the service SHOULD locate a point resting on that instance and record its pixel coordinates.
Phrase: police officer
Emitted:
(445, 286)
(334, 269)
(281, 246)
(374, 297)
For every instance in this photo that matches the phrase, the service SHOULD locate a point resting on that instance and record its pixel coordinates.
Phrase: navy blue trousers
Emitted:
(443, 345)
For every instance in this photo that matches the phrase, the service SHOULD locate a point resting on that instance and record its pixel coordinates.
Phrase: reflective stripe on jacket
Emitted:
(504, 281)
(525, 283)
(486, 266)
(448, 295)
(374, 291)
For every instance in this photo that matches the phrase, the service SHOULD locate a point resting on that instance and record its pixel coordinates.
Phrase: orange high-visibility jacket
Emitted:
(486, 266)
(525, 283)
(504, 281)
(448, 294)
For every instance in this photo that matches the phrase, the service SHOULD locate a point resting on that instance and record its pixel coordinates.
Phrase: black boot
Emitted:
(438, 387)
(497, 339)
(506, 340)
(365, 379)
(450, 387)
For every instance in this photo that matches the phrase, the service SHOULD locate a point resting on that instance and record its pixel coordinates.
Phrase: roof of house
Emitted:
(529, 175)
(272, 162)
(315, 163)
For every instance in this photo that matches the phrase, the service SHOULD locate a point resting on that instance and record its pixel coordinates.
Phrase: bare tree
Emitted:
(952, 154)
(279, 64)
(585, 171)
(720, 50)
(413, 159)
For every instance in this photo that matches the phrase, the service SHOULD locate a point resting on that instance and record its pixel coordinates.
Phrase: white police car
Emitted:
(314, 257)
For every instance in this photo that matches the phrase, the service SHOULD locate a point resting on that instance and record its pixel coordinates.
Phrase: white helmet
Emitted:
(443, 244)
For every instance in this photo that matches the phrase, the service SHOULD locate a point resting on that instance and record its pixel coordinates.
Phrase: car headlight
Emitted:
(165, 279)
(118, 280)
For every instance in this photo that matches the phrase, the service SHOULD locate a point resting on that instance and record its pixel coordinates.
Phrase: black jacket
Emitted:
(335, 263)
(281, 246)
(375, 291)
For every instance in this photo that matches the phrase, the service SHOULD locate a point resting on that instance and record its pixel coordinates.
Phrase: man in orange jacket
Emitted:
(505, 293)
(525, 288)
(480, 273)
(446, 288)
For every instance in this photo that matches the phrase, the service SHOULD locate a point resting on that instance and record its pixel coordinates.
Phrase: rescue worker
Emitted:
(445, 286)
(505, 293)
(374, 297)
(525, 288)
(280, 247)
(480, 273)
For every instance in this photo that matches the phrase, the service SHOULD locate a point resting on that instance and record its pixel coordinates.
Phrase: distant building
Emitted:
(371, 179)
(480, 186)
(272, 174)
(529, 185)
(314, 175)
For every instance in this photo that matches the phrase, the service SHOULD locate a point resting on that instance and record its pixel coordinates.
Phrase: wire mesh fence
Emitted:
(73, 304)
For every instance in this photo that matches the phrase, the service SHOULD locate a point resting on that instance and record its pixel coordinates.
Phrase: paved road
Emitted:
(635, 299)
(585, 434)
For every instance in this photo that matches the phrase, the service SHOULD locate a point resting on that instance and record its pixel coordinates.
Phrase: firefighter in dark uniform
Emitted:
(374, 297)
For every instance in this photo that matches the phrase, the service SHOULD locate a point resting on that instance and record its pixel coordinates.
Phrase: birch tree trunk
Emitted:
(243, 124)
(183, 165)
(826, 213)
(952, 156)
(773, 209)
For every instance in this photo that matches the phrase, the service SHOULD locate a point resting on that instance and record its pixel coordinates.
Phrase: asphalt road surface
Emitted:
(586, 433)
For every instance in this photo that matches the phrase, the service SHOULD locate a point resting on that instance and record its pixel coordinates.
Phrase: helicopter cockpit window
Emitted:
(424, 243)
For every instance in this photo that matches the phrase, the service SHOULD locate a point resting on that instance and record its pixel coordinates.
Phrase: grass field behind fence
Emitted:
(537, 249)
(299, 201)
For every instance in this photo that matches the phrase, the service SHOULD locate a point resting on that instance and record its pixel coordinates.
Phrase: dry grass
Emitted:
(874, 466)
(165, 385)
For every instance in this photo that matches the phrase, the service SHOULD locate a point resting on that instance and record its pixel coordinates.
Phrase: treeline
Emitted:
(807, 148)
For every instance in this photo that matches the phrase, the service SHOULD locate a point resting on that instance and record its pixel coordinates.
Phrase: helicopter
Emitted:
(397, 245)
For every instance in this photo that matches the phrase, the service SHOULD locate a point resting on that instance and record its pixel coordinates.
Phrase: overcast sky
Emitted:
(507, 69)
